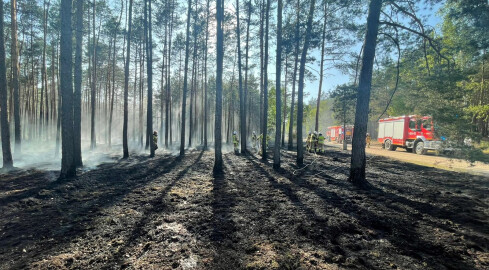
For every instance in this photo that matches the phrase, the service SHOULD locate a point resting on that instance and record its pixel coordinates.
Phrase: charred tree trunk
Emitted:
(358, 159)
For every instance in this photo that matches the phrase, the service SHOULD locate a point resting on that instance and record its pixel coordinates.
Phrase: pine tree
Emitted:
(358, 159)
(4, 124)
(68, 166)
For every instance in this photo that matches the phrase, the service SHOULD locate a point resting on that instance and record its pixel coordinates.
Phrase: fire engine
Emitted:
(336, 134)
(414, 133)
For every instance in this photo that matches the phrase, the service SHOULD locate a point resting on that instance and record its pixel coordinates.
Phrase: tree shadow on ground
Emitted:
(157, 206)
(223, 226)
(398, 229)
(52, 207)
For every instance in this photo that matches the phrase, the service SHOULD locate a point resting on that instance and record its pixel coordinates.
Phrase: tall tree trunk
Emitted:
(68, 167)
(218, 162)
(15, 77)
(321, 70)
(93, 137)
(294, 77)
(168, 84)
(149, 70)
(278, 97)
(358, 160)
(113, 75)
(4, 124)
(185, 77)
(60, 113)
(300, 95)
(247, 49)
(242, 98)
(126, 85)
(284, 118)
(262, 72)
(163, 90)
(206, 118)
(44, 112)
(265, 85)
(193, 88)
(77, 155)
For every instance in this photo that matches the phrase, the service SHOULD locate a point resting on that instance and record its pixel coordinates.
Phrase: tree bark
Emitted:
(218, 162)
(300, 92)
(93, 137)
(206, 117)
(77, 155)
(358, 159)
(126, 85)
(68, 167)
(149, 70)
(15, 78)
(247, 113)
(284, 118)
(185, 77)
(278, 97)
(265, 85)
(321, 71)
(4, 124)
(242, 99)
(294, 77)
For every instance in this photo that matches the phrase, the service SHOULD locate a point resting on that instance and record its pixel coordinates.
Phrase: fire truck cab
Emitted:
(414, 133)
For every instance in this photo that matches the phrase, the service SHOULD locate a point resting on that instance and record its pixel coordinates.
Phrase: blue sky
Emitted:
(335, 77)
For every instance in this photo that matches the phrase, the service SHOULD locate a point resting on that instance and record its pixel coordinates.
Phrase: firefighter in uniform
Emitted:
(254, 139)
(368, 139)
(155, 139)
(258, 143)
(308, 141)
(314, 141)
(235, 141)
(321, 143)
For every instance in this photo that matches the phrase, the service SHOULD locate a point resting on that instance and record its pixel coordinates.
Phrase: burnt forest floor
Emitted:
(172, 213)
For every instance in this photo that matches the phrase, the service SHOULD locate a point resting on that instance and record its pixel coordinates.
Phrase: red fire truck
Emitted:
(414, 133)
(336, 134)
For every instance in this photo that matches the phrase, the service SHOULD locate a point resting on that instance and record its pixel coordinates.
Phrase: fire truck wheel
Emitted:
(388, 145)
(420, 148)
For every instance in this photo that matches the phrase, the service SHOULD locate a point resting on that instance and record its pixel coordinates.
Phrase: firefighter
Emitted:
(308, 141)
(314, 141)
(321, 143)
(155, 139)
(235, 142)
(254, 139)
(368, 139)
(258, 143)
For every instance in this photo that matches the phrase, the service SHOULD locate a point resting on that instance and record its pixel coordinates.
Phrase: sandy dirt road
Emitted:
(430, 160)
